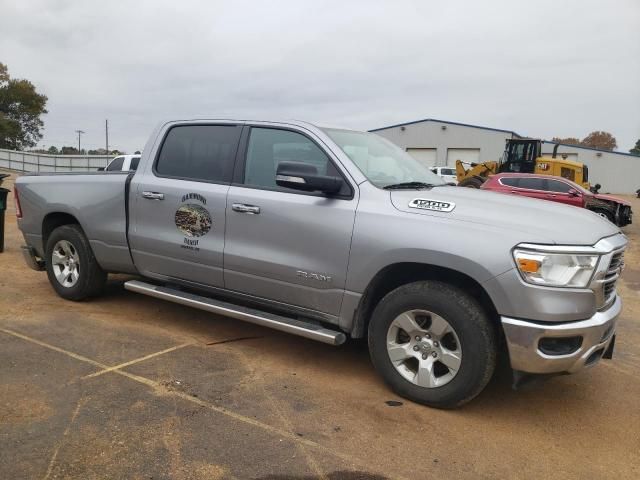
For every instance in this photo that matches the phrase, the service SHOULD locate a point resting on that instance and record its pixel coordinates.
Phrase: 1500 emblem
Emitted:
(435, 205)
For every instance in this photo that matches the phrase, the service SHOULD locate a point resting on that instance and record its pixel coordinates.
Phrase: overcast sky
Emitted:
(541, 68)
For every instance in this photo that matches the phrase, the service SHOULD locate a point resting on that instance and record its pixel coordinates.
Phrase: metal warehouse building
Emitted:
(441, 143)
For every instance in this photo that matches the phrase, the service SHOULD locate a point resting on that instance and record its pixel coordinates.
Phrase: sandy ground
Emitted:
(126, 386)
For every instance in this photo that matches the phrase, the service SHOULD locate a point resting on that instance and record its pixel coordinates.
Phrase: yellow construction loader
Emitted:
(523, 155)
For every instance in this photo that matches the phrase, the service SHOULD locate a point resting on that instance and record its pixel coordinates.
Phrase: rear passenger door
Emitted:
(532, 187)
(178, 203)
(282, 244)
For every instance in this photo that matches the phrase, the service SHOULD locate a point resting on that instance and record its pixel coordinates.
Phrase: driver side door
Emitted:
(287, 245)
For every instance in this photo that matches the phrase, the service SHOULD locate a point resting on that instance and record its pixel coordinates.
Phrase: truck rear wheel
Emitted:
(433, 344)
(72, 269)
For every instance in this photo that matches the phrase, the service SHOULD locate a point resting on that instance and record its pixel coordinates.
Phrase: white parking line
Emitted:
(283, 434)
(137, 360)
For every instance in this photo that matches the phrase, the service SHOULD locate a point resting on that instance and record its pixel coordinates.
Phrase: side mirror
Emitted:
(302, 176)
(573, 193)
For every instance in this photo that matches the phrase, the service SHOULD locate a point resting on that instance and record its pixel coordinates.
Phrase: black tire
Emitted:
(91, 278)
(605, 213)
(476, 333)
(473, 182)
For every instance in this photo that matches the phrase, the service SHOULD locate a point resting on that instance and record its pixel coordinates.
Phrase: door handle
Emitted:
(242, 208)
(153, 195)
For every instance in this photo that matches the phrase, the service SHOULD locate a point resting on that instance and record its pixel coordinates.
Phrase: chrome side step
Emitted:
(277, 322)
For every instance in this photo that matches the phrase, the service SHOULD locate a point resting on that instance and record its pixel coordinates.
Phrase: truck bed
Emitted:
(96, 200)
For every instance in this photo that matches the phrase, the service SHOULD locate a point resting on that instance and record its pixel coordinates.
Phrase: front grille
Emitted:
(611, 277)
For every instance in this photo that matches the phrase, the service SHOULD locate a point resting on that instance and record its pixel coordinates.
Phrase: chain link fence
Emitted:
(41, 162)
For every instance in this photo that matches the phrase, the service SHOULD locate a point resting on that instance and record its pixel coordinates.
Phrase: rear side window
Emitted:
(557, 186)
(510, 182)
(447, 171)
(202, 153)
(134, 163)
(532, 183)
(116, 164)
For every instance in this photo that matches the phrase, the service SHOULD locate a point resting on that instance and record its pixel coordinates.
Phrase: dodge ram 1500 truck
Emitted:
(328, 234)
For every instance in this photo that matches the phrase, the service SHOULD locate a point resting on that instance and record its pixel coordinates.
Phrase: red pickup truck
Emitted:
(558, 189)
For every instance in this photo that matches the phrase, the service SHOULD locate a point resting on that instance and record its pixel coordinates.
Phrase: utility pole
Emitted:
(106, 135)
(79, 132)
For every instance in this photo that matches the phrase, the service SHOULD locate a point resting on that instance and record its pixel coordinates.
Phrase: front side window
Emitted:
(557, 186)
(203, 153)
(448, 171)
(116, 164)
(267, 147)
(382, 162)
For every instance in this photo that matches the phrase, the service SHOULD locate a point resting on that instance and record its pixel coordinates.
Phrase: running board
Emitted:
(264, 319)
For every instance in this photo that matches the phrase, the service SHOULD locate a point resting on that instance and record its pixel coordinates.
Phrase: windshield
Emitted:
(382, 162)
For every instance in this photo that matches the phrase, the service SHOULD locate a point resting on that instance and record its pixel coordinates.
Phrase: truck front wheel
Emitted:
(72, 269)
(433, 343)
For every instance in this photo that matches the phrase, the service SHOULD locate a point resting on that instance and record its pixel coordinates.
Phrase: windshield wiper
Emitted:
(410, 186)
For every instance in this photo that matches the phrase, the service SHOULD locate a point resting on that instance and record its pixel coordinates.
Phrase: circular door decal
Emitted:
(193, 220)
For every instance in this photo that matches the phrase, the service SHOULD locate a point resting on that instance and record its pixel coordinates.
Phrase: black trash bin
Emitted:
(3, 206)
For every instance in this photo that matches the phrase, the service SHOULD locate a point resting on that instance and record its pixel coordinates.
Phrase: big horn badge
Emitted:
(193, 220)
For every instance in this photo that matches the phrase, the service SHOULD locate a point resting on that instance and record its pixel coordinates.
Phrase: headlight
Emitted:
(555, 269)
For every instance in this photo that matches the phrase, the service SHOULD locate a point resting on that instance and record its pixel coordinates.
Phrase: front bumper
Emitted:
(523, 341)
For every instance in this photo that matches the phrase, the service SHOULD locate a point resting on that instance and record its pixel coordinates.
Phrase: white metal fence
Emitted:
(40, 162)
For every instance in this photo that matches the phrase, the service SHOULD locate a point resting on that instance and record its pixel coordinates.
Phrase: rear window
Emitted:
(531, 183)
(116, 164)
(203, 153)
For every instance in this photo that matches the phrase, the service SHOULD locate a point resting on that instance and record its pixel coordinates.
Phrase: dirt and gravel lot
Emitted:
(127, 386)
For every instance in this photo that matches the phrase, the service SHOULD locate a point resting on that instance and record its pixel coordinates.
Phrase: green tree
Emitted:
(20, 110)
(53, 150)
(568, 140)
(69, 151)
(601, 140)
(636, 150)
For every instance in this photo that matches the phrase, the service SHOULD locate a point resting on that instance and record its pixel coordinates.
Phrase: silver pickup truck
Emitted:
(330, 233)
